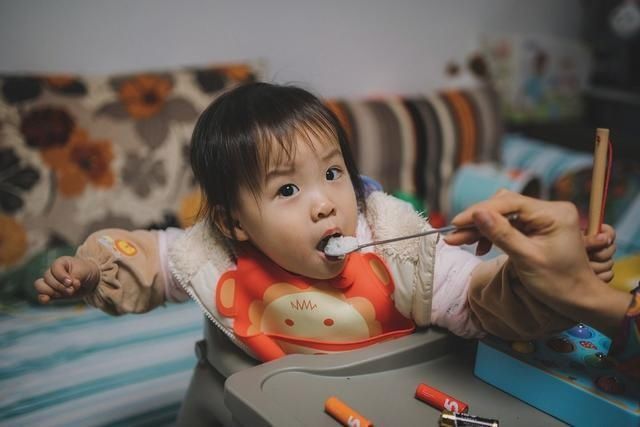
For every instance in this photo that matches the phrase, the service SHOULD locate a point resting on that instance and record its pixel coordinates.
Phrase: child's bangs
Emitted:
(277, 145)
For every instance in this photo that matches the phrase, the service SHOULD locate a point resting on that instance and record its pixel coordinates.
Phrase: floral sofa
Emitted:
(81, 153)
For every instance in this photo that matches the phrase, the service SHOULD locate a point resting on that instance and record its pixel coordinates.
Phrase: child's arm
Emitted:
(115, 270)
(67, 277)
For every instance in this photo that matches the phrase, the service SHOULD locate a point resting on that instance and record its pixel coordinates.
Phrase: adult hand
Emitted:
(547, 253)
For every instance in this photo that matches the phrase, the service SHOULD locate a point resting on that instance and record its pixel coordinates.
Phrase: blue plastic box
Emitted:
(567, 375)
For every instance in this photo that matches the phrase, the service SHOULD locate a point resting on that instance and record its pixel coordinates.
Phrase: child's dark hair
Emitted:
(231, 138)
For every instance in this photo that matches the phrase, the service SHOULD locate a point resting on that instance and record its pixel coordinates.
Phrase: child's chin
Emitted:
(334, 268)
(327, 271)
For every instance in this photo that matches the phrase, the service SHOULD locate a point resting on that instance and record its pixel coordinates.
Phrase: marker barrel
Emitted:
(345, 414)
(440, 400)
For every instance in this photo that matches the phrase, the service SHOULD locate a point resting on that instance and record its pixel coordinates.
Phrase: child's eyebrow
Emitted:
(278, 171)
(281, 170)
(335, 152)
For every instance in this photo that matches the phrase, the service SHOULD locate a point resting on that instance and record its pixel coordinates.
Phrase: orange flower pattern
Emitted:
(144, 95)
(239, 72)
(149, 100)
(213, 79)
(81, 162)
(13, 241)
(60, 80)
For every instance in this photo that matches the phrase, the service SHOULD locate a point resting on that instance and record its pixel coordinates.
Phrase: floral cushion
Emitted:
(82, 153)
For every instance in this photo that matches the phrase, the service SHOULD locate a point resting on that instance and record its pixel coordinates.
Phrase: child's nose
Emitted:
(322, 209)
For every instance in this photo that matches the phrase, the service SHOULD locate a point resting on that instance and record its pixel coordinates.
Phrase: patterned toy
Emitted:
(567, 375)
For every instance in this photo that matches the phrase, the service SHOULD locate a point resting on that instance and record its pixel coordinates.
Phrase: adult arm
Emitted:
(545, 249)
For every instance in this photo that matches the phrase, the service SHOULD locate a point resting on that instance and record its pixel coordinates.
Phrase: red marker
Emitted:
(440, 400)
(346, 415)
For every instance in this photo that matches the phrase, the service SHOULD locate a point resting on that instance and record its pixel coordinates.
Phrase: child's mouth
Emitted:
(323, 244)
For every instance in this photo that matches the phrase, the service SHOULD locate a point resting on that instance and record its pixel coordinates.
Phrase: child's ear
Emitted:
(241, 235)
(234, 233)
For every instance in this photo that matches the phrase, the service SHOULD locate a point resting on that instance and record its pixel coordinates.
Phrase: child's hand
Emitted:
(67, 277)
(600, 249)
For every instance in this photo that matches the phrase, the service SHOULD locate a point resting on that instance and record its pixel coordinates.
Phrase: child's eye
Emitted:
(287, 190)
(333, 174)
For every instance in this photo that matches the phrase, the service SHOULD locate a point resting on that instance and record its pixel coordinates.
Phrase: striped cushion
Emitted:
(74, 366)
(415, 144)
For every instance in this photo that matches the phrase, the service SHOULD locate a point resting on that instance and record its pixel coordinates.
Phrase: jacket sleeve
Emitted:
(453, 269)
(133, 273)
(503, 306)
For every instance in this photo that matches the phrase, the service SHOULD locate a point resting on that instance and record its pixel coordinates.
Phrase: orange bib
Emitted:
(276, 312)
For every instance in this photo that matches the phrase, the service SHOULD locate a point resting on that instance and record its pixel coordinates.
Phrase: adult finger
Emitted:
(464, 236)
(496, 228)
(595, 242)
(484, 246)
(503, 201)
(607, 276)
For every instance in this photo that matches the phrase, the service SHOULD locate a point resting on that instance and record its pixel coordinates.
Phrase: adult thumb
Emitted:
(502, 233)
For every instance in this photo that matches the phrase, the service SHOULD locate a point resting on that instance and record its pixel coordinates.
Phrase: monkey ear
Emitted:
(235, 232)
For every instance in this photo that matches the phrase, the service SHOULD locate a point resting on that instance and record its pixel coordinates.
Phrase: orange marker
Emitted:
(439, 399)
(346, 415)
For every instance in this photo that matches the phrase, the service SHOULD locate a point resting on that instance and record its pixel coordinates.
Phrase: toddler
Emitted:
(278, 181)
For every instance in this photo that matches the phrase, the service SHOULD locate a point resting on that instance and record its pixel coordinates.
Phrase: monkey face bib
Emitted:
(276, 312)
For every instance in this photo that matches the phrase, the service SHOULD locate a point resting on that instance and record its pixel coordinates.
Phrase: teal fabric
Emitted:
(76, 366)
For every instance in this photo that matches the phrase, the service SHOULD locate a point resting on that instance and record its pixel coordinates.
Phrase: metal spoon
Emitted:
(344, 245)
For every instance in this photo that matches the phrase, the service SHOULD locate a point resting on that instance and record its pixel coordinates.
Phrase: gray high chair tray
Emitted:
(379, 382)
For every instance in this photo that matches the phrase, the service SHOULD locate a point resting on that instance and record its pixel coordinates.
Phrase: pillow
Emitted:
(80, 153)
(413, 145)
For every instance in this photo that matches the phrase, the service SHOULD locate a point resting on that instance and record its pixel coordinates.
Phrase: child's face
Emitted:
(302, 201)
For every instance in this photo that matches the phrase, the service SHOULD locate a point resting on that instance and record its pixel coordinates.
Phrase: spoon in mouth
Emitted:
(344, 245)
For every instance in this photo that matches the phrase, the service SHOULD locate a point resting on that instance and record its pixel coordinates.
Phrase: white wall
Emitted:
(335, 47)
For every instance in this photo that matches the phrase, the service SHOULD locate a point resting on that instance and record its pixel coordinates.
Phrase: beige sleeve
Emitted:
(504, 307)
(130, 276)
